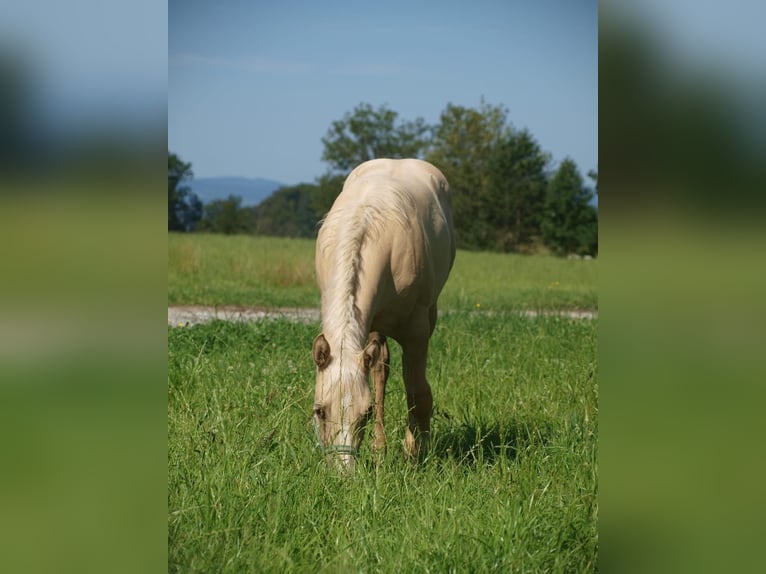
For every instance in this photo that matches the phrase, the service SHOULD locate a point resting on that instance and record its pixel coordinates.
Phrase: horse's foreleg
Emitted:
(419, 404)
(419, 398)
(379, 376)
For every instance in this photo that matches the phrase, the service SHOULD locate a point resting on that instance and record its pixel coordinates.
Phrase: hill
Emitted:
(251, 190)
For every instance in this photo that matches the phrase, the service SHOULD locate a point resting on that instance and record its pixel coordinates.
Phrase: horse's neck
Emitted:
(346, 308)
(344, 325)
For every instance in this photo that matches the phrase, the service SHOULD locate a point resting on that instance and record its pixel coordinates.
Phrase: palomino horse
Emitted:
(383, 254)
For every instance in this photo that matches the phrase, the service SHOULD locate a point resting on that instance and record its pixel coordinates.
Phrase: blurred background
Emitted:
(681, 149)
(83, 108)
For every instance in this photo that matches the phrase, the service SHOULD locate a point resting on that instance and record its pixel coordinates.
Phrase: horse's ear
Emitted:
(321, 351)
(371, 354)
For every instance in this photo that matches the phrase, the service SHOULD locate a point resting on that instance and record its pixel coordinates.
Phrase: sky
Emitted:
(254, 86)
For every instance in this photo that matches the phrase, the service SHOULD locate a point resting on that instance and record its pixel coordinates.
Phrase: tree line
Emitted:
(507, 195)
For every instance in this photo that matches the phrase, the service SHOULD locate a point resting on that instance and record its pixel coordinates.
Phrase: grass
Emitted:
(509, 485)
(510, 482)
(271, 272)
(206, 269)
(501, 281)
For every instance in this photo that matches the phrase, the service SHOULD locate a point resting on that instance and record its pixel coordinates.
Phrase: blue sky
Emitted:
(253, 86)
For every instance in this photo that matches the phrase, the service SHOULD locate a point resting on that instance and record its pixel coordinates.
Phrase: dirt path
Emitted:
(196, 314)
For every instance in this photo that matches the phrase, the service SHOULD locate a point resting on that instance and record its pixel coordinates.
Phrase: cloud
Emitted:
(250, 64)
(370, 70)
(266, 65)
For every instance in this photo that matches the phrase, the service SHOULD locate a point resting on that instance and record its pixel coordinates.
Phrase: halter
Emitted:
(333, 448)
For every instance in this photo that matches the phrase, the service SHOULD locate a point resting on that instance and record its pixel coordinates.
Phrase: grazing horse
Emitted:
(383, 254)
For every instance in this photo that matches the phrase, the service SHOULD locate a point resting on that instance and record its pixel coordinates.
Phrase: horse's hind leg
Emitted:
(379, 377)
(419, 398)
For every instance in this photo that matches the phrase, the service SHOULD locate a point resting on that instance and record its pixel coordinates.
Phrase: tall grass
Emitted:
(271, 272)
(501, 281)
(509, 484)
(207, 269)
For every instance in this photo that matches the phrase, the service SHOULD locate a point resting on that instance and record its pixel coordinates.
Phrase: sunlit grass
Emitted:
(273, 272)
(241, 270)
(510, 483)
(509, 281)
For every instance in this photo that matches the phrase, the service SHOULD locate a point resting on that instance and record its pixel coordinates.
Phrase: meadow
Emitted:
(510, 482)
(272, 272)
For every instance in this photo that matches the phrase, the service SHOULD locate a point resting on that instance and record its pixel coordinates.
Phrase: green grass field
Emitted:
(510, 482)
(271, 272)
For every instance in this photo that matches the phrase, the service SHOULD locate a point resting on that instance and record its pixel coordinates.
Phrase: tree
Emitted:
(184, 207)
(368, 133)
(502, 196)
(570, 222)
(224, 216)
(288, 212)
(462, 148)
(593, 174)
(327, 188)
(516, 191)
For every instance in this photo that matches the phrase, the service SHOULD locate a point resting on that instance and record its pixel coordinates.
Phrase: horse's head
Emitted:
(342, 398)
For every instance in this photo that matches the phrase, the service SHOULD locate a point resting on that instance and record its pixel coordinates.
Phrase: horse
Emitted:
(383, 254)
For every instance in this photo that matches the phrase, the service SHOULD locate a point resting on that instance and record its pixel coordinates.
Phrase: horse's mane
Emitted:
(346, 231)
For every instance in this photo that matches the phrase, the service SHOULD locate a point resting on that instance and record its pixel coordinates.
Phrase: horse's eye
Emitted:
(319, 412)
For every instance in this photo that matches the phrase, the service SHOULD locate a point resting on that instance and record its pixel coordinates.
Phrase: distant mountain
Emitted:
(251, 190)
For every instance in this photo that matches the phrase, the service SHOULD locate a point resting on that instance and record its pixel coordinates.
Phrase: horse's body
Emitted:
(383, 254)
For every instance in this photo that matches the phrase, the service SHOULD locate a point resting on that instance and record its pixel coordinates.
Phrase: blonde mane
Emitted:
(351, 229)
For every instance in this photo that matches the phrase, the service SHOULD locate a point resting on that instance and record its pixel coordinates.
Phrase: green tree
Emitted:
(224, 216)
(462, 147)
(184, 207)
(288, 212)
(593, 174)
(326, 190)
(368, 133)
(517, 187)
(570, 222)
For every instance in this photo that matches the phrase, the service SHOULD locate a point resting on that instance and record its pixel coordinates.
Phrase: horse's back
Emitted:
(399, 211)
(412, 189)
(406, 199)
(406, 171)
